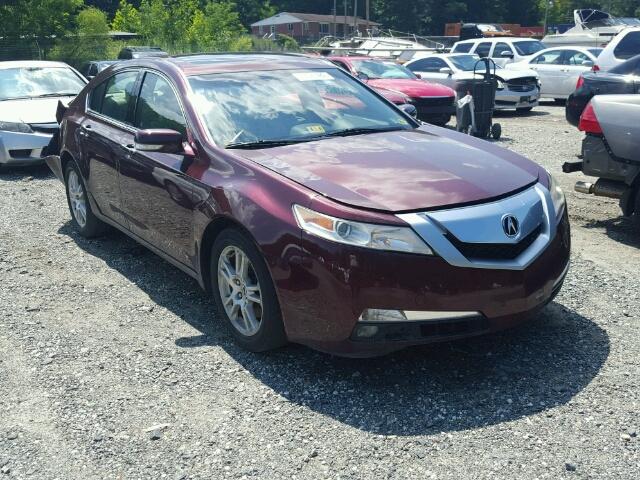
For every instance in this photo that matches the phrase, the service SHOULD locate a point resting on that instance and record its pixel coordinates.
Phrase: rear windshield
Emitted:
(528, 47)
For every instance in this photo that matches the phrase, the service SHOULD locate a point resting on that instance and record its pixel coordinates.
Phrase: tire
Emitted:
(87, 224)
(496, 131)
(524, 110)
(255, 326)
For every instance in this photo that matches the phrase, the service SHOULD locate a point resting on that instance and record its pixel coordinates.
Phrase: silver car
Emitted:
(519, 90)
(611, 151)
(29, 94)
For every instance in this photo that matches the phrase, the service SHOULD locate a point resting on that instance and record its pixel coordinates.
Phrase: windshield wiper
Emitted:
(265, 143)
(360, 131)
(60, 94)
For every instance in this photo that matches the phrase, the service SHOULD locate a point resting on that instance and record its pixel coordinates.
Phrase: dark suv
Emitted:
(129, 53)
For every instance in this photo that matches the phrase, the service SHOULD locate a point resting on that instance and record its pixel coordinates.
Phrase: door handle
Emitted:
(84, 129)
(130, 147)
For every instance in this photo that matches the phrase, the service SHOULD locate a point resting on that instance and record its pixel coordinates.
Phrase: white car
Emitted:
(517, 89)
(559, 68)
(623, 46)
(29, 94)
(501, 50)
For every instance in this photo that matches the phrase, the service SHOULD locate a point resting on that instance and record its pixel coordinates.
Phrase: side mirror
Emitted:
(409, 109)
(362, 76)
(418, 75)
(506, 54)
(446, 71)
(540, 59)
(158, 140)
(587, 63)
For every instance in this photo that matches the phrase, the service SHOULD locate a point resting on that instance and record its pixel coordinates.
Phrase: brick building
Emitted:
(306, 27)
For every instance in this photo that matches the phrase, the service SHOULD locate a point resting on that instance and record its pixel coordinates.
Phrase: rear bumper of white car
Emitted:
(508, 99)
(22, 148)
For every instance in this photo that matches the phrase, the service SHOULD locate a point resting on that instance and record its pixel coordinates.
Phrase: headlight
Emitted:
(557, 195)
(367, 235)
(500, 85)
(15, 127)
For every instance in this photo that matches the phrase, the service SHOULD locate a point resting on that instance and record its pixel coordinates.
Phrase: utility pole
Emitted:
(355, 16)
(368, 26)
(344, 26)
(335, 22)
(547, 4)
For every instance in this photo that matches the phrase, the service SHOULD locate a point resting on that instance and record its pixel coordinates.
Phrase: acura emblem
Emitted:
(510, 226)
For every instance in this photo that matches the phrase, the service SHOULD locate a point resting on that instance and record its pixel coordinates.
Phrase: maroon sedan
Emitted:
(434, 103)
(311, 208)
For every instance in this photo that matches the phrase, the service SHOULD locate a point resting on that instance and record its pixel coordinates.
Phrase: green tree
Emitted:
(217, 27)
(90, 42)
(126, 18)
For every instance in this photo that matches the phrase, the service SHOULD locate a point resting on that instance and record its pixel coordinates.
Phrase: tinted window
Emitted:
(158, 106)
(501, 47)
(552, 57)
(427, 65)
(629, 46)
(463, 48)
(483, 49)
(118, 92)
(528, 47)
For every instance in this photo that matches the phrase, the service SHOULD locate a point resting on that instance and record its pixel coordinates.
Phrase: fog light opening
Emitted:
(366, 331)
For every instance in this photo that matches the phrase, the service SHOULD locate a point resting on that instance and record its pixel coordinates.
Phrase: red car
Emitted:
(435, 103)
(312, 210)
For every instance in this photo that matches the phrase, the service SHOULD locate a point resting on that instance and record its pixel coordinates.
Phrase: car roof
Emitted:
(31, 64)
(499, 39)
(200, 64)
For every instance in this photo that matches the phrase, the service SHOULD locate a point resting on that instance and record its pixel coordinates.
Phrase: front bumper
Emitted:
(21, 149)
(336, 283)
(507, 99)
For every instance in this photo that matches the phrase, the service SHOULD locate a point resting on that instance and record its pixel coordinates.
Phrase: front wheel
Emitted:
(87, 224)
(244, 293)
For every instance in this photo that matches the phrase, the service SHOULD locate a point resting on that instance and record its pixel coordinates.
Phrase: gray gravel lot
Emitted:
(113, 365)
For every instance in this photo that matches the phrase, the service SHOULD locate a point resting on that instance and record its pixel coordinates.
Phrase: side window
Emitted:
(482, 50)
(628, 47)
(432, 65)
(552, 57)
(499, 48)
(573, 57)
(158, 106)
(462, 48)
(113, 97)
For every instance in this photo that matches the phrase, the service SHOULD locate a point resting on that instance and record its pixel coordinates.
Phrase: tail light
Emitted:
(589, 122)
(580, 82)
(595, 68)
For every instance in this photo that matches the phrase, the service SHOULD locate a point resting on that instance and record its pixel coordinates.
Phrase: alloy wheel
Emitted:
(77, 199)
(240, 290)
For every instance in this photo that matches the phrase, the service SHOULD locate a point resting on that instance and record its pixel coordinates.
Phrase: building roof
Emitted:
(286, 17)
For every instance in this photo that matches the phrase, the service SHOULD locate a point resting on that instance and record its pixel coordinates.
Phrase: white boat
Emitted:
(385, 43)
(593, 28)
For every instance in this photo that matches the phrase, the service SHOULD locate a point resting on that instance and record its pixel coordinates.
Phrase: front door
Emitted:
(549, 67)
(157, 195)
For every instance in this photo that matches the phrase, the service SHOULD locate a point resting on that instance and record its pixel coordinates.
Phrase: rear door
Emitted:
(157, 195)
(572, 64)
(549, 67)
(106, 127)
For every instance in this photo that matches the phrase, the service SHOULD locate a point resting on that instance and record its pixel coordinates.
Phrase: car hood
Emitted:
(401, 170)
(413, 88)
(503, 74)
(33, 110)
(394, 97)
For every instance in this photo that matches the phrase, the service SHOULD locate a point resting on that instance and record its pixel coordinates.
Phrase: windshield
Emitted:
(466, 63)
(32, 82)
(528, 47)
(377, 70)
(288, 105)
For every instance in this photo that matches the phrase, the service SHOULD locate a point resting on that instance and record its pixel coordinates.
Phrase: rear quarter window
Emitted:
(628, 47)
(462, 48)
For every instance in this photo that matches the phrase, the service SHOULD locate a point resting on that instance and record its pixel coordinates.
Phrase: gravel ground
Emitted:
(113, 365)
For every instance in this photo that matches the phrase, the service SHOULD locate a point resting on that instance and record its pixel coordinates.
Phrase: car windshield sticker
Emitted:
(312, 76)
(315, 129)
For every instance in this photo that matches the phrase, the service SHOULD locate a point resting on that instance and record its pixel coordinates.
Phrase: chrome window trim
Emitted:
(126, 126)
(430, 227)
